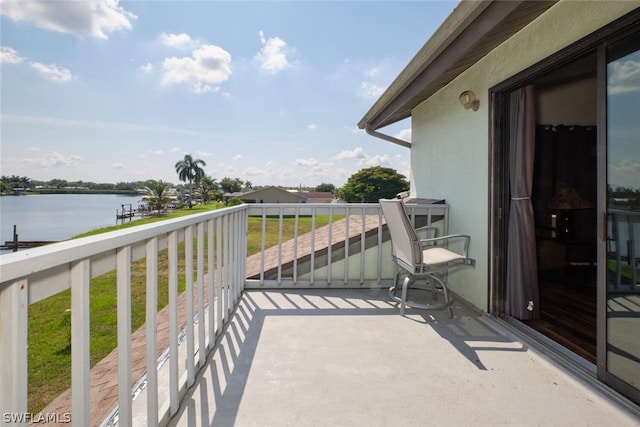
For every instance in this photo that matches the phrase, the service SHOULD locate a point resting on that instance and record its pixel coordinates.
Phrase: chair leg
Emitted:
(445, 293)
(403, 302)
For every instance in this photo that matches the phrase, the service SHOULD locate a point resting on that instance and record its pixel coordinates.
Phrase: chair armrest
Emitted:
(447, 239)
(427, 232)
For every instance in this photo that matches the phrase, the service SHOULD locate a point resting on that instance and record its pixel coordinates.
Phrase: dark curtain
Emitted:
(522, 299)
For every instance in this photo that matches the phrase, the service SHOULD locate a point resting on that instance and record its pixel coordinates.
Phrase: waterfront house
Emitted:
(523, 117)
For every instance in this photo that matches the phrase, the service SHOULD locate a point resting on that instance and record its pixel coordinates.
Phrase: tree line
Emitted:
(365, 186)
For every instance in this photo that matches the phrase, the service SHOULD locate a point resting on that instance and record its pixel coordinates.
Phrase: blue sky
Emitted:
(269, 92)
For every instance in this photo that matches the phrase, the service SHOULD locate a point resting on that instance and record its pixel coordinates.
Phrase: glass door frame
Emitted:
(597, 43)
(603, 332)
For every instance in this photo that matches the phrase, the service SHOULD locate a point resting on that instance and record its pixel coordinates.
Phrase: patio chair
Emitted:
(421, 258)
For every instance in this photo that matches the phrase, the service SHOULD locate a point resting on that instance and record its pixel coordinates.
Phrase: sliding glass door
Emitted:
(622, 301)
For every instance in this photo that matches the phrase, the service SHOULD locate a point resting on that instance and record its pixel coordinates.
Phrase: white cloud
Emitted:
(158, 152)
(209, 65)
(94, 18)
(312, 126)
(174, 150)
(35, 149)
(201, 153)
(373, 72)
(53, 160)
(626, 174)
(9, 56)
(146, 68)
(237, 157)
(273, 55)
(307, 162)
(178, 41)
(624, 77)
(118, 166)
(370, 90)
(253, 171)
(404, 134)
(377, 160)
(52, 72)
(95, 124)
(356, 153)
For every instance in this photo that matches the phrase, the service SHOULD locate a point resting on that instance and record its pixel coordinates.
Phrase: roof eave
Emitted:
(451, 50)
(463, 14)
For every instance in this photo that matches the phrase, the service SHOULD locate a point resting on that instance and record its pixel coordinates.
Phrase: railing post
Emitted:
(296, 224)
(226, 266)
(80, 340)
(13, 342)
(210, 287)
(245, 234)
(233, 248)
(188, 271)
(151, 320)
(313, 244)
(262, 243)
(219, 266)
(174, 404)
(380, 244)
(363, 242)
(346, 247)
(280, 225)
(123, 274)
(201, 317)
(329, 249)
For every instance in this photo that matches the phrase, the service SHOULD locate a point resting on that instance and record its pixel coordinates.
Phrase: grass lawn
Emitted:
(49, 320)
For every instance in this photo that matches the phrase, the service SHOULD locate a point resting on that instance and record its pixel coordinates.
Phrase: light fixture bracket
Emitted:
(468, 100)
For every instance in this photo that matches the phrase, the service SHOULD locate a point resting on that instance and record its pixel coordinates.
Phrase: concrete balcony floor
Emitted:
(336, 357)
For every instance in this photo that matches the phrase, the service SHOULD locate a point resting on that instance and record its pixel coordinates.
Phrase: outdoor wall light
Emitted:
(468, 100)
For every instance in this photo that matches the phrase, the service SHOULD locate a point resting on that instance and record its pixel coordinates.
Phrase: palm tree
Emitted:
(157, 194)
(190, 170)
(207, 188)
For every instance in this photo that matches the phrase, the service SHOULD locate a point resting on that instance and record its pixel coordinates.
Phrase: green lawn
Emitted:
(49, 320)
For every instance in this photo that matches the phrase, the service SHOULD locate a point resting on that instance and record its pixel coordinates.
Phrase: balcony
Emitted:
(302, 332)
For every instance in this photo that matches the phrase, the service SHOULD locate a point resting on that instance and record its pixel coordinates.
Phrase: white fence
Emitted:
(212, 287)
(624, 243)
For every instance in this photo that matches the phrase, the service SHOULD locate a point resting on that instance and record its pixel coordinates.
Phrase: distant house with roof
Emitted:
(266, 195)
(278, 195)
(316, 196)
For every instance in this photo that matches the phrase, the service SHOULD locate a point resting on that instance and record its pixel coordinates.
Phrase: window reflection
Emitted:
(623, 212)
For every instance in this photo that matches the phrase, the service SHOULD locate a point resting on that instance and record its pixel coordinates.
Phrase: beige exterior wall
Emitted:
(273, 195)
(450, 145)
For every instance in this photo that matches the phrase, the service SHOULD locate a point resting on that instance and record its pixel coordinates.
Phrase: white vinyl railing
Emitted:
(30, 276)
(347, 252)
(624, 243)
(214, 276)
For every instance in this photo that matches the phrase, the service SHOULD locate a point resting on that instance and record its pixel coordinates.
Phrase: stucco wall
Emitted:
(450, 145)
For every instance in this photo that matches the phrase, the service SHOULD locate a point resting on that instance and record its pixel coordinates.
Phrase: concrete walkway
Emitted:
(346, 358)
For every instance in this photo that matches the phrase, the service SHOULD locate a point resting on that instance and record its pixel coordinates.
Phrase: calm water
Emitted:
(59, 216)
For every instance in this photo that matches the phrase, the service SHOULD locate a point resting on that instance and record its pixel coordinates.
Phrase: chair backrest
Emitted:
(404, 240)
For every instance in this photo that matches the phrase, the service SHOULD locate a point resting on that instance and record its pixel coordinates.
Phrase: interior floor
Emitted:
(568, 309)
